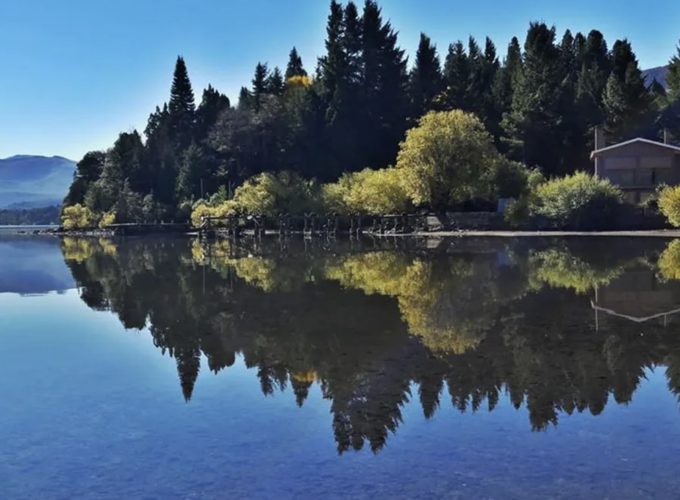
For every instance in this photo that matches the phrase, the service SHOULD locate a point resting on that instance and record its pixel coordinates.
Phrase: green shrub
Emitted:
(372, 192)
(578, 201)
(669, 204)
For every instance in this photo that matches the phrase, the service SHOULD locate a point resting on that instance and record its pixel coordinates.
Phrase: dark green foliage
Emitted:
(275, 83)
(87, 172)
(425, 81)
(295, 67)
(212, 106)
(626, 99)
(532, 126)
(673, 77)
(260, 85)
(181, 107)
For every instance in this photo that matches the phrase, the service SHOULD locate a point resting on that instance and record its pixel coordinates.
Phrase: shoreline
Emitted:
(653, 233)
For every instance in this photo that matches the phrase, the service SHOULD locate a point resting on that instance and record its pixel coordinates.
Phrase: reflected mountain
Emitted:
(554, 324)
(32, 265)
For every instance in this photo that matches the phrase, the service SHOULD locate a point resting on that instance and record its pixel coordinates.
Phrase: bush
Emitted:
(271, 194)
(77, 217)
(265, 194)
(669, 204)
(107, 219)
(371, 192)
(578, 201)
(447, 159)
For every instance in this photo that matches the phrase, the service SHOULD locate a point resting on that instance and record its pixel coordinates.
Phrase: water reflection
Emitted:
(561, 326)
(32, 265)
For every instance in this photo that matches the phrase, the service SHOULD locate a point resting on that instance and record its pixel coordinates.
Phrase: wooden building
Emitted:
(637, 166)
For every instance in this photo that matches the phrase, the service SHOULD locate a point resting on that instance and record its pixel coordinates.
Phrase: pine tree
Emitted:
(295, 67)
(275, 82)
(384, 88)
(532, 127)
(181, 107)
(260, 85)
(426, 81)
(456, 77)
(673, 77)
(486, 74)
(592, 79)
(245, 99)
(333, 65)
(212, 105)
(506, 76)
(626, 100)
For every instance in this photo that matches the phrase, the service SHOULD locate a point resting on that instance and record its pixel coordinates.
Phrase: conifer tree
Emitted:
(532, 127)
(181, 107)
(456, 77)
(245, 99)
(673, 77)
(506, 76)
(426, 80)
(260, 85)
(626, 100)
(213, 103)
(295, 67)
(275, 82)
(592, 79)
(385, 81)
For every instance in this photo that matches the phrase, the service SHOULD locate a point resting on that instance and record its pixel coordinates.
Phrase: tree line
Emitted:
(540, 102)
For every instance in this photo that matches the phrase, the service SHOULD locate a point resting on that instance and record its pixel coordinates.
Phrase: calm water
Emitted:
(465, 368)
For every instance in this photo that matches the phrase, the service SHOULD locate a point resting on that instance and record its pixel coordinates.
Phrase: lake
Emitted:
(457, 368)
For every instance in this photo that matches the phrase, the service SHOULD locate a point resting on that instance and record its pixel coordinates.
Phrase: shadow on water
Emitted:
(561, 326)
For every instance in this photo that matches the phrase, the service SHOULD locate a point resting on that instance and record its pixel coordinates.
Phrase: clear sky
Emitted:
(74, 73)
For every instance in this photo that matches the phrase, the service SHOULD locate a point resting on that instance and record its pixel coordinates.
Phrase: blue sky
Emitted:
(74, 73)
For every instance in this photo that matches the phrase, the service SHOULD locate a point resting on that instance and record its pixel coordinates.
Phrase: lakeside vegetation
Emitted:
(367, 132)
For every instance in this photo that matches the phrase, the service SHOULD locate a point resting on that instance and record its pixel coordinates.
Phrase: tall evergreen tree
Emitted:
(532, 127)
(260, 85)
(673, 77)
(295, 67)
(384, 82)
(426, 81)
(506, 76)
(626, 100)
(275, 83)
(592, 79)
(181, 107)
(213, 103)
(456, 77)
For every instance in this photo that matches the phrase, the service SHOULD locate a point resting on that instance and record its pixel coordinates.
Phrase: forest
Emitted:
(316, 132)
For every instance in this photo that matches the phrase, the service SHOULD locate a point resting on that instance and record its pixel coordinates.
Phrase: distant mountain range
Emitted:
(34, 181)
(659, 74)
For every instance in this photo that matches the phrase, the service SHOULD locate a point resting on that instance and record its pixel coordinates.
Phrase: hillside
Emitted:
(659, 74)
(34, 181)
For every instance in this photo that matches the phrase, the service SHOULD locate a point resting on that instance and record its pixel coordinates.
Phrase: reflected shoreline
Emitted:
(553, 325)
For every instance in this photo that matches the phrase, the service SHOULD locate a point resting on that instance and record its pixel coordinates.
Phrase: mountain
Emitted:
(659, 74)
(34, 181)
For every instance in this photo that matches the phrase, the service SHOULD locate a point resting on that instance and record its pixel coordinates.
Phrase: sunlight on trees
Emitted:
(77, 217)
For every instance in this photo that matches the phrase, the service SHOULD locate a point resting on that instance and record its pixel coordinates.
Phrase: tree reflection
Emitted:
(374, 326)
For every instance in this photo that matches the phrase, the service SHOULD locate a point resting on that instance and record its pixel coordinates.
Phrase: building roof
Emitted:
(669, 147)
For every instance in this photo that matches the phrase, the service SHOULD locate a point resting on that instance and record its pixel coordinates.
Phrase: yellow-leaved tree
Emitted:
(447, 159)
(77, 217)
